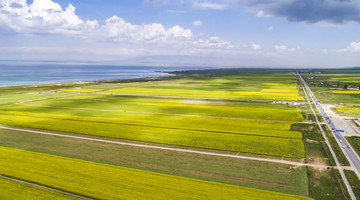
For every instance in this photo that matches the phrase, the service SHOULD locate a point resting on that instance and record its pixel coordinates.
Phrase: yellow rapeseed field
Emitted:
(345, 78)
(176, 136)
(351, 110)
(105, 181)
(346, 91)
(280, 91)
(10, 190)
(209, 94)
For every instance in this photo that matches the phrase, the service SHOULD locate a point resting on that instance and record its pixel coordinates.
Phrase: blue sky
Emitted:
(220, 33)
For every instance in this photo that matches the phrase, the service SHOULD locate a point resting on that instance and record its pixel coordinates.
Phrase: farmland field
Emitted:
(346, 91)
(210, 131)
(336, 86)
(14, 98)
(349, 111)
(81, 90)
(17, 191)
(175, 106)
(261, 87)
(231, 113)
(241, 172)
(214, 94)
(222, 141)
(176, 122)
(244, 126)
(112, 182)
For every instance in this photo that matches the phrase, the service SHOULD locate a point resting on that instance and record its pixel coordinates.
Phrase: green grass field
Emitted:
(113, 182)
(326, 185)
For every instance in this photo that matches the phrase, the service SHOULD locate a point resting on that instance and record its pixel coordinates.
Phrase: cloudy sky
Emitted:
(221, 33)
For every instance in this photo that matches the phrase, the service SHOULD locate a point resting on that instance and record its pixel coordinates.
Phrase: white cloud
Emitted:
(261, 13)
(214, 41)
(48, 17)
(270, 28)
(121, 31)
(353, 47)
(209, 5)
(253, 46)
(197, 23)
(42, 16)
(283, 48)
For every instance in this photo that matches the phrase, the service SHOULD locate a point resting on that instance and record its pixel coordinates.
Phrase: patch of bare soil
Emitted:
(312, 141)
(308, 128)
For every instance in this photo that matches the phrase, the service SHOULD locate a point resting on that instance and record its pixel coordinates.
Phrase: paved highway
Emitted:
(345, 146)
(339, 138)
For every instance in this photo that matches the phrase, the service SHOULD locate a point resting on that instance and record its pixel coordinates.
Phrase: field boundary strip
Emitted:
(172, 149)
(157, 113)
(184, 97)
(44, 187)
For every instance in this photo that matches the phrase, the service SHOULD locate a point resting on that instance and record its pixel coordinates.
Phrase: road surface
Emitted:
(344, 145)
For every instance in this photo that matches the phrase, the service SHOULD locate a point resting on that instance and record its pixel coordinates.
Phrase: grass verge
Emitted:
(324, 185)
(355, 143)
(354, 182)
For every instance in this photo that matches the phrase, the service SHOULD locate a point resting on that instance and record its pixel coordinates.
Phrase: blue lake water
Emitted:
(39, 74)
